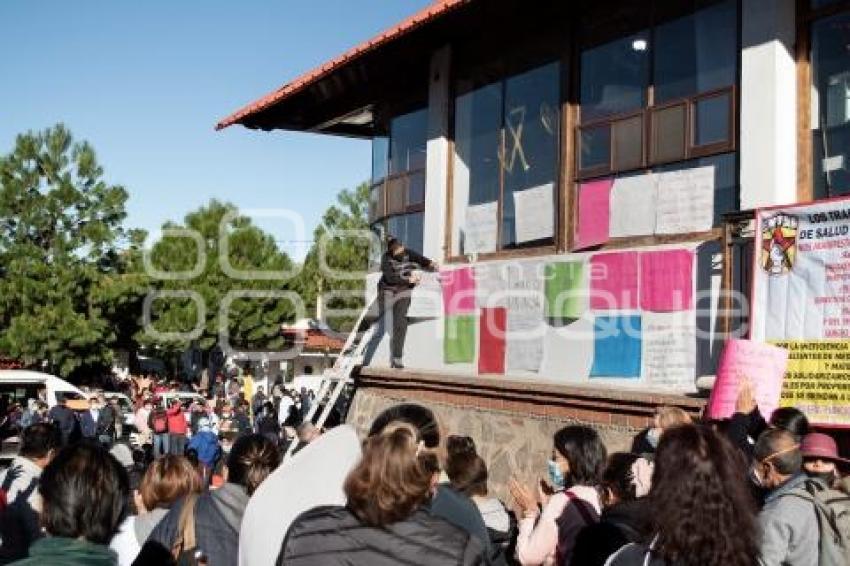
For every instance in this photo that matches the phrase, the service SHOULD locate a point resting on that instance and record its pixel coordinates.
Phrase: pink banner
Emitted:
(593, 213)
(614, 281)
(667, 280)
(762, 364)
(458, 290)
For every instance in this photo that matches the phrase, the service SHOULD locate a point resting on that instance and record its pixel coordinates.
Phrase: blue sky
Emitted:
(146, 81)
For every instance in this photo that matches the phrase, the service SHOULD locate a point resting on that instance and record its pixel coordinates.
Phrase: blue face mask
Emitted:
(556, 476)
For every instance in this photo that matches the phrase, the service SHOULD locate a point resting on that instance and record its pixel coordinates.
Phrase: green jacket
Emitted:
(59, 551)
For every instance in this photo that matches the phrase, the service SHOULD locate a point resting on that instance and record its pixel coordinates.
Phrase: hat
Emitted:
(819, 445)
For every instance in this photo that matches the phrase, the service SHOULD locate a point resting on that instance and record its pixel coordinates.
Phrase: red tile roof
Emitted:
(315, 339)
(427, 14)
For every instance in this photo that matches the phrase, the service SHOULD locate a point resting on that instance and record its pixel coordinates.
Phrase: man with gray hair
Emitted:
(789, 523)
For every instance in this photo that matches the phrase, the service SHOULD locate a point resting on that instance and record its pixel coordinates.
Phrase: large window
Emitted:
(659, 95)
(506, 161)
(397, 195)
(831, 105)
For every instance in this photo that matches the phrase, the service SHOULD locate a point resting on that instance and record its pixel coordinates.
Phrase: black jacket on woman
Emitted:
(333, 536)
(619, 525)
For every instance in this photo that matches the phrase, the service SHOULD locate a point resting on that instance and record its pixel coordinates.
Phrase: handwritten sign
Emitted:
(632, 206)
(426, 299)
(685, 201)
(669, 350)
(535, 213)
(481, 228)
(523, 284)
(763, 364)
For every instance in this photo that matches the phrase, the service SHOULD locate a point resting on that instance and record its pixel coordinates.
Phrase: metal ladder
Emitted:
(337, 378)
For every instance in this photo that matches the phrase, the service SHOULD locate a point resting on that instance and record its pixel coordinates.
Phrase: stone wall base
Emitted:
(512, 444)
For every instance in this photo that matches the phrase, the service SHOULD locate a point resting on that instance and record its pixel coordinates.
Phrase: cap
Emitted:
(819, 445)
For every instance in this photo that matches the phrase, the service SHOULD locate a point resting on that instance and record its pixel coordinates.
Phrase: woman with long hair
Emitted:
(548, 537)
(701, 510)
(166, 481)
(387, 518)
(217, 514)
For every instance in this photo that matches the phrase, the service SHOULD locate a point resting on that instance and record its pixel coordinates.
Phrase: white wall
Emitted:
(768, 148)
(436, 173)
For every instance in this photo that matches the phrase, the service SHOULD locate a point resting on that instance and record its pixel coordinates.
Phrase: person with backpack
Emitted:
(205, 444)
(106, 422)
(158, 424)
(790, 517)
(570, 499)
(820, 458)
(625, 514)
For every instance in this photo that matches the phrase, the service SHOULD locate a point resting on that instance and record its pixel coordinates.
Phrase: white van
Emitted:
(18, 385)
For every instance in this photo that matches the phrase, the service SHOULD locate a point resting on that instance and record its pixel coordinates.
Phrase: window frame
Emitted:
(401, 180)
(807, 17)
(692, 150)
(525, 249)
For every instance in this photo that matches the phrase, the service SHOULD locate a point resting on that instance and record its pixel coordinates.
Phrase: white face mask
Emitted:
(653, 435)
(756, 478)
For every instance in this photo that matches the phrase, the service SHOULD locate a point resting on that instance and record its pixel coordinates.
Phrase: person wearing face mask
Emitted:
(820, 458)
(625, 516)
(575, 470)
(788, 521)
(398, 278)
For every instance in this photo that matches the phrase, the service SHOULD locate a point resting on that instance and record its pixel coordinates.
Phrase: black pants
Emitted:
(395, 304)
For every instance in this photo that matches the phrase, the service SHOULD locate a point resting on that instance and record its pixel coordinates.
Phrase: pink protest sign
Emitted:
(666, 280)
(593, 213)
(763, 364)
(614, 281)
(458, 290)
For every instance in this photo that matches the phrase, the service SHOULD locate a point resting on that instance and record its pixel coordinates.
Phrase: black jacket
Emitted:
(618, 526)
(333, 536)
(395, 271)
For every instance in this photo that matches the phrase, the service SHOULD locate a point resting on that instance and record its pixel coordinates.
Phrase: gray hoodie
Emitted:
(789, 528)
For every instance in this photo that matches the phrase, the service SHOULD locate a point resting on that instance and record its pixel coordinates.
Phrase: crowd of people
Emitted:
(204, 485)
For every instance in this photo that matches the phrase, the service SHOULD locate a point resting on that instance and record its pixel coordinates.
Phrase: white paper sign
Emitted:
(481, 228)
(426, 300)
(526, 329)
(632, 206)
(685, 201)
(534, 213)
(668, 351)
